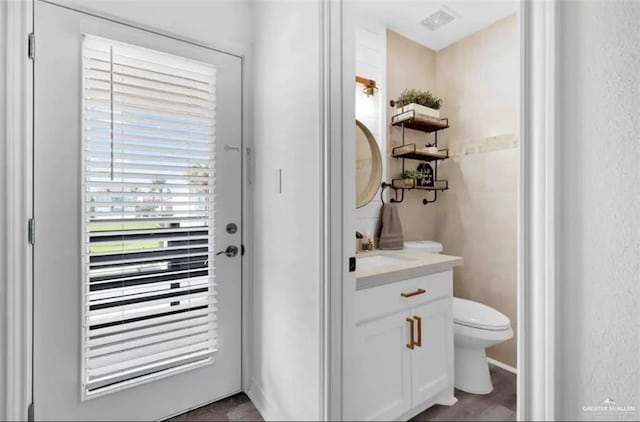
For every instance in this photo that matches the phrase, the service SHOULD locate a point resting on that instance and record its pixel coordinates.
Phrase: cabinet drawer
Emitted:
(378, 301)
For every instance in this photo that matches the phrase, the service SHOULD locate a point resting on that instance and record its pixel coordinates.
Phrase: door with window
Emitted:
(137, 207)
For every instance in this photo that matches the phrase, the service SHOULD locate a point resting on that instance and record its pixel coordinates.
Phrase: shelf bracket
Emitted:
(394, 200)
(426, 201)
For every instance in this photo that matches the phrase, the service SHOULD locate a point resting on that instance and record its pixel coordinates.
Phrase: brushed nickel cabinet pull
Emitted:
(411, 344)
(419, 342)
(415, 293)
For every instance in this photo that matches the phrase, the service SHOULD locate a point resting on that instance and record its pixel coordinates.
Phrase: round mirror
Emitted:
(368, 165)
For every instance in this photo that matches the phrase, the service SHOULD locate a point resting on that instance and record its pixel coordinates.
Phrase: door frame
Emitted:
(18, 20)
(537, 207)
(537, 234)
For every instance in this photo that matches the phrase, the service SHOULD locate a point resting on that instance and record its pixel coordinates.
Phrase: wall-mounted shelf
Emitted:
(420, 122)
(427, 124)
(412, 152)
(402, 184)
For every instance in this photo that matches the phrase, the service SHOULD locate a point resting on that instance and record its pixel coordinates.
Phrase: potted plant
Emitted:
(409, 177)
(422, 102)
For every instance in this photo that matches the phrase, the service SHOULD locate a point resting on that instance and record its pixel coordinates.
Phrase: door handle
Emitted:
(412, 342)
(231, 251)
(419, 342)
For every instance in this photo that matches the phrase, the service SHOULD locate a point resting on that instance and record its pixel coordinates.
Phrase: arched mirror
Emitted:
(368, 165)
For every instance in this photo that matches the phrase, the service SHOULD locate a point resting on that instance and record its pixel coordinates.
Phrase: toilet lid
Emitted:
(477, 315)
(425, 245)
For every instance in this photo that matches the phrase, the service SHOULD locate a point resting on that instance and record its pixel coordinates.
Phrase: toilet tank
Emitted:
(425, 245)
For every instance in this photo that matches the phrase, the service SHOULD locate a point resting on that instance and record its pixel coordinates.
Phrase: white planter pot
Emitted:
(420, 109)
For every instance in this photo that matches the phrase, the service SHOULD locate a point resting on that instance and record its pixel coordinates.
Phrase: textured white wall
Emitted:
(599, 245)
(286, 367)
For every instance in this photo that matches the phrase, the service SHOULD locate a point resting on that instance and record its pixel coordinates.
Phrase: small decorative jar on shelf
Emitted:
(367, 244)
(409, 178)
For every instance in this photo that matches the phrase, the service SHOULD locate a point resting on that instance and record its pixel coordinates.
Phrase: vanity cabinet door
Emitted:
(383, 386)
(432, 361)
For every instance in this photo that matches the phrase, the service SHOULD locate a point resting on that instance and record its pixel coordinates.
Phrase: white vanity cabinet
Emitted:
(432, 362)
(383, 374)
(404, 348)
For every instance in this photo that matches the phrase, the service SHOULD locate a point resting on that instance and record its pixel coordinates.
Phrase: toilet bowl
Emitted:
(475, 327)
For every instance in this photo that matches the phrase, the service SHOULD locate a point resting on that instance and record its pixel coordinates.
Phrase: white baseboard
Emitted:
(502, 366)
(260, 400)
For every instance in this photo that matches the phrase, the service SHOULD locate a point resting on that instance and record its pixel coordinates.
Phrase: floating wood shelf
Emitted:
(411, 120)
(410, 151)
(437, 185)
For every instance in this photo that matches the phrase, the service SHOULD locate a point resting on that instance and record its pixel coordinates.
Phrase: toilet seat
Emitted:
(476, 315)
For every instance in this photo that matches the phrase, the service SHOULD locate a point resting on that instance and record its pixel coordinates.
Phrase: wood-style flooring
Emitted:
(234, 408)
(500, 405)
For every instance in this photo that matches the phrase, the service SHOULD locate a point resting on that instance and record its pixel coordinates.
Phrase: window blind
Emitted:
(148, 202)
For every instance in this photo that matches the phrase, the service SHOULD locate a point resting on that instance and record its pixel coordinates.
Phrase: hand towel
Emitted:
(391, 230)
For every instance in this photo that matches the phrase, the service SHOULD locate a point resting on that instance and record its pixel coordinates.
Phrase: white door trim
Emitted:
(18, 23)
(221, 46)
(537, 213)
(536, 237)
(337, 187)
(19, 78)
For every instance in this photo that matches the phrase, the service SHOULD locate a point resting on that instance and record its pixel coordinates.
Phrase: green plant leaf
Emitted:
(424, 98)
(412, 174)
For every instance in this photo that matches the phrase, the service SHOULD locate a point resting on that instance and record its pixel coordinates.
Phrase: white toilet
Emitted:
(475, 327)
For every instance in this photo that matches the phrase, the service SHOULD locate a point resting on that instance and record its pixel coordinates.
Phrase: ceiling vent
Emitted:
(438, 19)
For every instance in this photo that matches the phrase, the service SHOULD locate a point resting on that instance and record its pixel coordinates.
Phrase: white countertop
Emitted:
(402, 265)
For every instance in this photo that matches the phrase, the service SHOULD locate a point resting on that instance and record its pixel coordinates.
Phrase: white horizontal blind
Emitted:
(148, 215)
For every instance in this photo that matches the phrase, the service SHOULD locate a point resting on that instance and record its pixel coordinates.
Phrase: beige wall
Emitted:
(409, 65)
(476, 218)
(478, 78)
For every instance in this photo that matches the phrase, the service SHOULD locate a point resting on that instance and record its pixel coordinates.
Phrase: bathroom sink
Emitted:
(375, 261)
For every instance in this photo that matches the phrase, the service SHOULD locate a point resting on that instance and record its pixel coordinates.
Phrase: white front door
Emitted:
(137, 186)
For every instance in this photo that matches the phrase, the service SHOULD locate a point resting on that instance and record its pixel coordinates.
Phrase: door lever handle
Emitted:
(231, 251)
